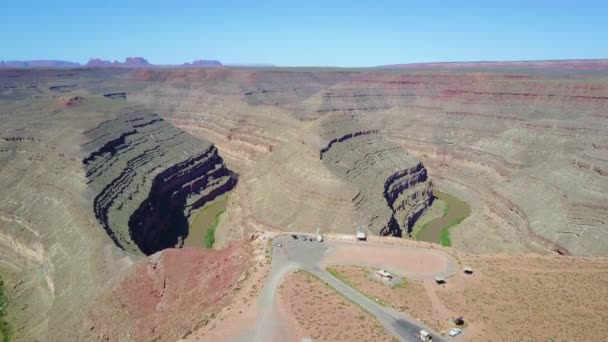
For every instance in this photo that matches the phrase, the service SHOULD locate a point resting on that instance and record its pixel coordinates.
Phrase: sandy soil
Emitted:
(171, 294)
(240, 314)
(409, 297)
(415, 263)
(321, 314)
(508, 298)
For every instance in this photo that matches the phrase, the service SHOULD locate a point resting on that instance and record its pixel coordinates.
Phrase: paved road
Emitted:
(403, 328)
(308, 255)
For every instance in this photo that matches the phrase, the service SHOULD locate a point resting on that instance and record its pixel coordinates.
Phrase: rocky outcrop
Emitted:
(63, 88)
(394, 189)
(148, 176)
(116, 96)
(130, 62)
(344, 137)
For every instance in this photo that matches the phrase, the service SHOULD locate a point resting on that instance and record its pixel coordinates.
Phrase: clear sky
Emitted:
(300, 33)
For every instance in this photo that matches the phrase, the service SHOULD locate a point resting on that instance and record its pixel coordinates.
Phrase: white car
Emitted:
(455, 332)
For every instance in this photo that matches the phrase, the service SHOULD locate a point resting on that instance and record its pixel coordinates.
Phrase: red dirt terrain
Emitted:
(169, 295)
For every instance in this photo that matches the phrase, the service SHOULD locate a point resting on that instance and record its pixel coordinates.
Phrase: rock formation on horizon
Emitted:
(204, 63)
(38, 64)
(140, 62)
(130, 62)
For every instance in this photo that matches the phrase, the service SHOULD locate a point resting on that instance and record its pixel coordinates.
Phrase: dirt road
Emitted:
(312, 256)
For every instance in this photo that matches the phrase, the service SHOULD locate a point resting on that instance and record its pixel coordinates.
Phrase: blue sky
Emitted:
(304, 33)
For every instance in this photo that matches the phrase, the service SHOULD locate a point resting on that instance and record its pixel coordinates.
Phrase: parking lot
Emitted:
(303, 251)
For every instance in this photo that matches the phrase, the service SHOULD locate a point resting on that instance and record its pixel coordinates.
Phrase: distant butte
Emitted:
(37, 64)
(130, 62)
(140, 62)
(203, 63)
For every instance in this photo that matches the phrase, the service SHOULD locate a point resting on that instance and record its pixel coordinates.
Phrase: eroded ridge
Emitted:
(394, 189)
(148, 176)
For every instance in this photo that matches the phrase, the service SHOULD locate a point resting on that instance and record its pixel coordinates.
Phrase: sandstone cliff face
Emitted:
(394, 189)
(148, 176)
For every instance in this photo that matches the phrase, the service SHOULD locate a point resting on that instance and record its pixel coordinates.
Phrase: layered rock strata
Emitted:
(148, 176)
(393, 187)
(525, 150)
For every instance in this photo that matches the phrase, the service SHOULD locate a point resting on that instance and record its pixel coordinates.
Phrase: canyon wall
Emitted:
(81, 175)
(524, 147)
(149, 176)
(393, 187)
(250, 114)
(526, 150)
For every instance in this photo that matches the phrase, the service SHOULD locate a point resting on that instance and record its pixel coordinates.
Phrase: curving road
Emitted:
(309, 256)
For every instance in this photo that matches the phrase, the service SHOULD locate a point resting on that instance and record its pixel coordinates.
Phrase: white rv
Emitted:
(425, 336)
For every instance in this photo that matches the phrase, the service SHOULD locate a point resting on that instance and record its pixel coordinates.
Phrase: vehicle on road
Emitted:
(425, 336)
(455, 332)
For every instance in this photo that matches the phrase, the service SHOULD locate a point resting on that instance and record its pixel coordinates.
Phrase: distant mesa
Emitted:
(203, 63)
(130, 62)
(38, 64)
(140, 62)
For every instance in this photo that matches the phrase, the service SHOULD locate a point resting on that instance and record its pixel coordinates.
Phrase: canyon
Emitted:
(525, 149)
(102, 167)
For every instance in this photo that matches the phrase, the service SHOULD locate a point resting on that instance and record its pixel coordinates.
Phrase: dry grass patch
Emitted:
(408, 296)
(324, 315)
(518, 298)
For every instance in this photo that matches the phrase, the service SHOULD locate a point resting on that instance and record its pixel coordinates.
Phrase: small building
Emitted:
(384, 274)
(468, 270)
(440, 280)
(361, 236)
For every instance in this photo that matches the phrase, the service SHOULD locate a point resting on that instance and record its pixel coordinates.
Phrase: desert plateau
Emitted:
(104, 170)
(284, 171)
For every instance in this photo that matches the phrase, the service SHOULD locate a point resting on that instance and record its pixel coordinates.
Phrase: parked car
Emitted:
(293, 236)
(278, 244)
(455, 332)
